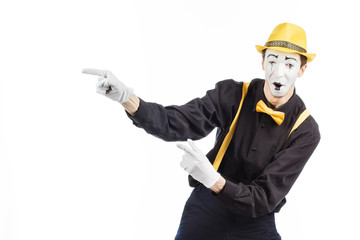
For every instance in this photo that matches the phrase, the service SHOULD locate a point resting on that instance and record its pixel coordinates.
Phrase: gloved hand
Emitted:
(109, 86)
(198, 165)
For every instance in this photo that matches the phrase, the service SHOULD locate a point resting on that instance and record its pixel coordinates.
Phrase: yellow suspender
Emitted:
(230, 134)
(299, 121)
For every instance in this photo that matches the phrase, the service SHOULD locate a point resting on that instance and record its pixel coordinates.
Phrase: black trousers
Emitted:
(206, 218)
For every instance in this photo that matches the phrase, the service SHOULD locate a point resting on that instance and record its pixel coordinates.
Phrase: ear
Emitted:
(262, 65)
(302, 70)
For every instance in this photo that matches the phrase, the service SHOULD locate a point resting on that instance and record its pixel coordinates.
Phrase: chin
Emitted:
(277, 94)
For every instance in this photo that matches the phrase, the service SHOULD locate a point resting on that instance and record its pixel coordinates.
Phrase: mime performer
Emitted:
(265, 136)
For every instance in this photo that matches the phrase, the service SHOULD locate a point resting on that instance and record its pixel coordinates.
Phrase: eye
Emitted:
(289, 65)
(271, 62)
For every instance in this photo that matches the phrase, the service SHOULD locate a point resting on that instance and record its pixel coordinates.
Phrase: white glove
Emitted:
(198, 165)
(109, 86)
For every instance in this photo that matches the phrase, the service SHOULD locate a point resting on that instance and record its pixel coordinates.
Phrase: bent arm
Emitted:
(265, 193)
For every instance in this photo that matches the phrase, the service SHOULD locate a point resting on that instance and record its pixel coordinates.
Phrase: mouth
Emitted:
(277, 85)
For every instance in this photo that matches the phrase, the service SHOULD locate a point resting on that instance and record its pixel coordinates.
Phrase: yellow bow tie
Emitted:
(276, 115)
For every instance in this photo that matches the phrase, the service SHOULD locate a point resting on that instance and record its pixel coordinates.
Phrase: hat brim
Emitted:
(309, 56)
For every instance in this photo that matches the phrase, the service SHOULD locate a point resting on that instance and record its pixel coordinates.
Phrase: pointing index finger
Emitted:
(185, 148)
(96, 72)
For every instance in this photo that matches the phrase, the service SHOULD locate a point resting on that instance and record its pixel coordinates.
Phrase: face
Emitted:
(281, 70)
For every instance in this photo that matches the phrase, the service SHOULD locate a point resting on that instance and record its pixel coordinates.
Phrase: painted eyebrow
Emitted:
(286, 58)
(272, 55)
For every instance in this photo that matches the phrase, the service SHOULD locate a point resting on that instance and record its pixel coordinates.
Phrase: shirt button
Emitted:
(262, 125)
(253, 149)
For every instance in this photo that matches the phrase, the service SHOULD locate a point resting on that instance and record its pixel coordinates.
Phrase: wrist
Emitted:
(219, 185)
(132, 105)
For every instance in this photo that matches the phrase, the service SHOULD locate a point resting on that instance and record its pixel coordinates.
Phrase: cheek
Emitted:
(268, 69)
(269, 66)
(292, 75)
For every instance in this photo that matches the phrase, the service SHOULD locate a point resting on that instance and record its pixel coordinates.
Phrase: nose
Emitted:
(279, 70)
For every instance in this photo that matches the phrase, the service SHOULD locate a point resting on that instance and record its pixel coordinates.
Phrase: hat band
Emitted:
(285, 44)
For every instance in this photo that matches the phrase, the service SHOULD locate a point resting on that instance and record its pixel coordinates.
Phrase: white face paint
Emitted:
(281, 71)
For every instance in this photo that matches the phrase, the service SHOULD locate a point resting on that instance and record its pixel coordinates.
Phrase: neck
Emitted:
(277, 101)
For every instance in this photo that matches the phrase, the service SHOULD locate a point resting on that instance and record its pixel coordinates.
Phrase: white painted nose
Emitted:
(279, 70)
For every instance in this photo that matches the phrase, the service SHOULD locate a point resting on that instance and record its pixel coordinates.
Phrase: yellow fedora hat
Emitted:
(287, 37)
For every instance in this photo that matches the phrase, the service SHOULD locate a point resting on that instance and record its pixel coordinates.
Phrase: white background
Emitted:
(72, 165)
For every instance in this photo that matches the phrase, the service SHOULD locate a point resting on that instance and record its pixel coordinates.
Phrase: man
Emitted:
(261, 152)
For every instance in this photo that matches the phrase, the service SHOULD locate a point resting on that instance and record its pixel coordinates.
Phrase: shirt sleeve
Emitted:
(269, 189)
(195, 119)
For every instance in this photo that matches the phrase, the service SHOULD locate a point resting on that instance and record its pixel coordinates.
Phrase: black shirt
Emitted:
(261, 164)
